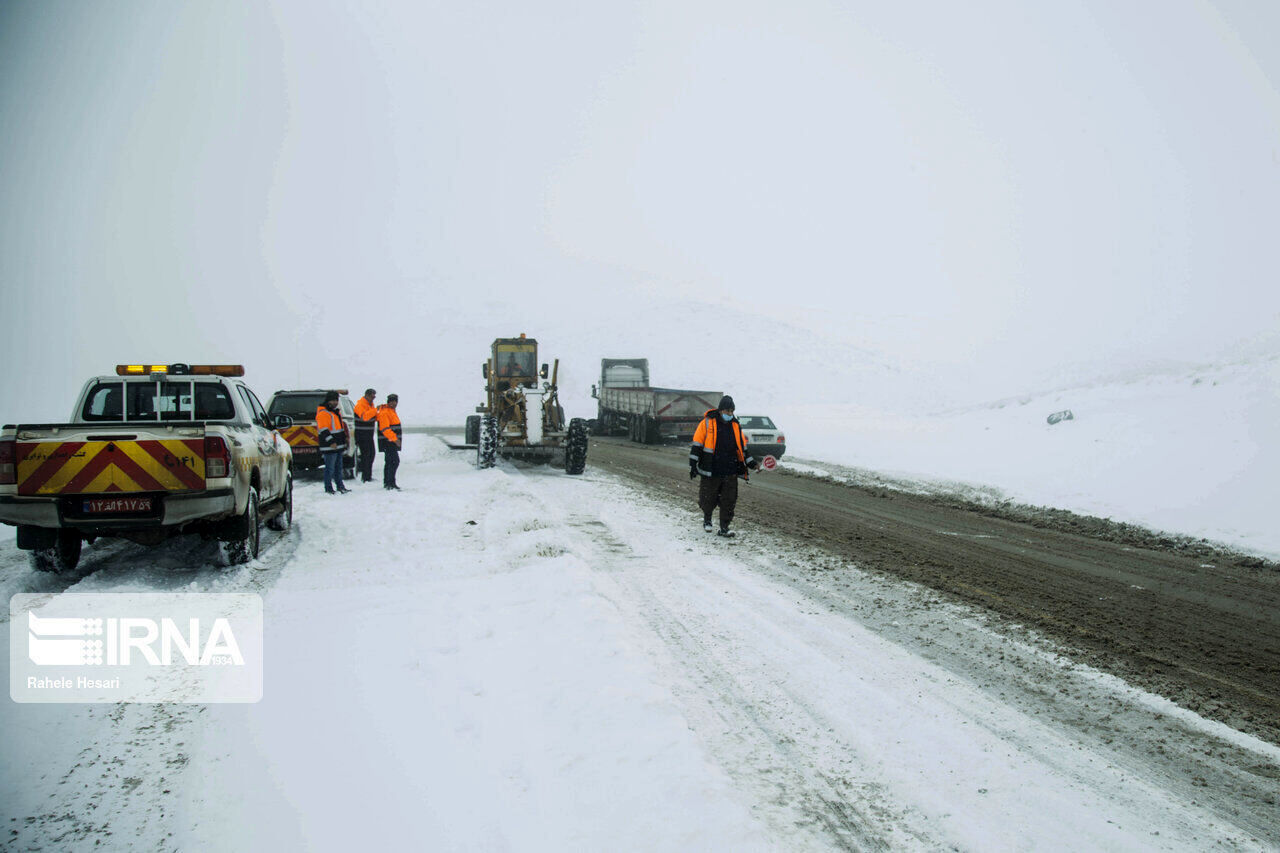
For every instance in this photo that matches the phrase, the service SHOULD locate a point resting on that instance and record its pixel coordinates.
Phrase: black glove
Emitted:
(754, 465)
(693, 470)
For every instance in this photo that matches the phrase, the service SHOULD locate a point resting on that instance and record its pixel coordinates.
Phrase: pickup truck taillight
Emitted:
(8, 470)
(217, 458)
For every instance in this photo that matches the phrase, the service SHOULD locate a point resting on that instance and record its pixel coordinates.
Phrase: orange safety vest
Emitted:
(704, 442)
(389, 425)
(366, 415)
(333, 435)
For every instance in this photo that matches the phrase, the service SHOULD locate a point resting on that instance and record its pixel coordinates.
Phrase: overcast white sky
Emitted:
(336, 194)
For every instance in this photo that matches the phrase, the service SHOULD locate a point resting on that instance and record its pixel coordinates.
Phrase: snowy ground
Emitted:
(518, 659)
(1192, 452)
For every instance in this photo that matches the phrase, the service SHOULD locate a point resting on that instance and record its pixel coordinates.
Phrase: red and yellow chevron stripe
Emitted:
(301, 436)
(94, 467)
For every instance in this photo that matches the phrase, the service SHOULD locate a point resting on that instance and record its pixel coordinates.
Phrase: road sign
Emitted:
(769, 463)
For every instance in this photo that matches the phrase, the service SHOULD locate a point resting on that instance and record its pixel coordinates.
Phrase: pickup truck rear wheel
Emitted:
(244, 547)
(284, 520)
(62, 557)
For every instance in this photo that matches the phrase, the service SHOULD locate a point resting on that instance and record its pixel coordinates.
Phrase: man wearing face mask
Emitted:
(719, 454)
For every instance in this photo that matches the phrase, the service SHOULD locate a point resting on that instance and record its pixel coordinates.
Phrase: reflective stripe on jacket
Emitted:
(388, 424)
(366, 415)
(704, 442)
(333, 435)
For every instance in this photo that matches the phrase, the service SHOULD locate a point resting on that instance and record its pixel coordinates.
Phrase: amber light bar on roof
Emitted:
(180, 369)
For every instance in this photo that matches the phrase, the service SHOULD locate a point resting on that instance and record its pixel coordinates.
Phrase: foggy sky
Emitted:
(354, 196)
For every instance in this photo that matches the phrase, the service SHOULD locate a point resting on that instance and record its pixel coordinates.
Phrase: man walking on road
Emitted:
(333, 442)
(719, 455)
(366, 426)
(389, 441)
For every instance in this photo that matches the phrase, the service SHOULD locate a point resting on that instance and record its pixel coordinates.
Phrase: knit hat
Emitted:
(393, 398)
(726, 402)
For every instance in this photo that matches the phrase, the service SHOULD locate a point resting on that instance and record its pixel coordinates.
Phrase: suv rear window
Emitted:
(302, 406)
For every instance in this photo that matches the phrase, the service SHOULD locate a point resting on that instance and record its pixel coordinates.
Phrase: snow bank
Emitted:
(1190, 452)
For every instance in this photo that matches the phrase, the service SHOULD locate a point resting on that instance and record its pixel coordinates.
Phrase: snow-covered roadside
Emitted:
(582, 668)
(442, 672)
(429, 682)
(1187, 452)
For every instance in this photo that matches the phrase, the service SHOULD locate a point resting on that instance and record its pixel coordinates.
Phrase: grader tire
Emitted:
(575, 449)
(473, 429)
(487, 443)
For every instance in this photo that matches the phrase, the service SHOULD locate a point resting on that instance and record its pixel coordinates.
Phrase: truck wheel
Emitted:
(487, 445)
(244, 547)
(648, 431)
(284, 520)
(575, 450)
(473, 430)
(62, 558)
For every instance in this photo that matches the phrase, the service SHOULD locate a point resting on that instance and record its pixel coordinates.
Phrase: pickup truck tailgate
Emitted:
(79, 460)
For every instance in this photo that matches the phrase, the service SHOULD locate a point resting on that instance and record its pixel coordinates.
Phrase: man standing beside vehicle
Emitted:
(366, 426)
(719, 454)
(389, 441)
(332, 439)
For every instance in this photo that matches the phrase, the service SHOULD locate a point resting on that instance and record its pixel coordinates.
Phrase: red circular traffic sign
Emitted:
(769, 463)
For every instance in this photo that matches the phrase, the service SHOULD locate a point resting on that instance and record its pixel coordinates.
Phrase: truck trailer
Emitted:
(629, 405)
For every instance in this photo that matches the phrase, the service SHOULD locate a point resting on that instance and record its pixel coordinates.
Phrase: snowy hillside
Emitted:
(1189, 451)
(690, 344)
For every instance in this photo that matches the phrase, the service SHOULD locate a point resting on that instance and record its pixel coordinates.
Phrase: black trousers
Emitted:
(721, 491)
(364, 452)
(390, 462)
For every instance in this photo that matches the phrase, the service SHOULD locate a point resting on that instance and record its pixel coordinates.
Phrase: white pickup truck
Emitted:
(149, 453)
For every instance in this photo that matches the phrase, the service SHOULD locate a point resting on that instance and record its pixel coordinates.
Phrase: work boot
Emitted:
(726, 532)
(706, 525)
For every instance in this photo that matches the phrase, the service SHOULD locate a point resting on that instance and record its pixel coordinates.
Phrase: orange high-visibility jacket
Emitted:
(333, 435)
(704, 442)
(388, 425)
(366, 415)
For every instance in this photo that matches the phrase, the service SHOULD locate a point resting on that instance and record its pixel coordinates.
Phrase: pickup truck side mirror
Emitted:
(543, 372)
(282, 421)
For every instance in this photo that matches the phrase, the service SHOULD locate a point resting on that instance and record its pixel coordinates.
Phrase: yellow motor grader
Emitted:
(522, 419)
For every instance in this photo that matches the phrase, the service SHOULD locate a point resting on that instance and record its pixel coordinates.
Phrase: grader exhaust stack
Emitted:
(520, 418)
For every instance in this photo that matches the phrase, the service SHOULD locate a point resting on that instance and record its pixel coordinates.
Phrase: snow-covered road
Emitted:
(518, 659)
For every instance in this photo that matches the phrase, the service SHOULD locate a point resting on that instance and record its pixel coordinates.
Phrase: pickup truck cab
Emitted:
(149, 453)
(303, 437)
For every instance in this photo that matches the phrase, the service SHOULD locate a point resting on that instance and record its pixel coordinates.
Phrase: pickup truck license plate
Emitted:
(110, 505)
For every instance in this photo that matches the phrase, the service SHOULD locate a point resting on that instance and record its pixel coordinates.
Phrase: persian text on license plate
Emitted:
(109, 505)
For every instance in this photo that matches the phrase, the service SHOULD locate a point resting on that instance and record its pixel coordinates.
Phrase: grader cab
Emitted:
(521, 417)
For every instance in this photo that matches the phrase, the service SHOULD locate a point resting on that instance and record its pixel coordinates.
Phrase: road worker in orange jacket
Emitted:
(366, 426)
(333, 442)
(390, 441)
(719, 454)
